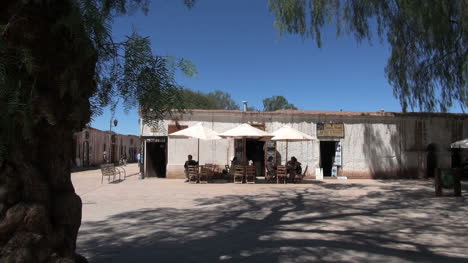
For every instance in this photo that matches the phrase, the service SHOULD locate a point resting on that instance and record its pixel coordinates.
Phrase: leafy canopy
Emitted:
(128, 71)
(125, 71)
(277, 103)
(218, 100)
(428, 65)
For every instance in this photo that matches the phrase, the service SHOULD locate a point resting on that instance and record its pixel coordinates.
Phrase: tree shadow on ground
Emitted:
(391, 223)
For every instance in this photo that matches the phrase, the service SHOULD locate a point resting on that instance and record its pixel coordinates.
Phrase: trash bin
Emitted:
(447, 179)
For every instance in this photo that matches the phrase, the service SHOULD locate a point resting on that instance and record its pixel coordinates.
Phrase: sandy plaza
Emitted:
(167, 220)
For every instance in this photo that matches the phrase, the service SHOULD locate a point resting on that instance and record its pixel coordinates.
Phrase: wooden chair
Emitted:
(281, 174)
(250, 174)
(205, 173)
(193, 174)
(239, 174)
(209, 169)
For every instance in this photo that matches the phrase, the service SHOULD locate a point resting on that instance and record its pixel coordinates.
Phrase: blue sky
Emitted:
(236, 48)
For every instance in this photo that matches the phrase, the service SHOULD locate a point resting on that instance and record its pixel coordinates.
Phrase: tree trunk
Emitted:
(40, 213)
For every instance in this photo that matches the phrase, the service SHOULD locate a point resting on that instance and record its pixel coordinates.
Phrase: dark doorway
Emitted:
(256, 153)
(156, 157)
(456, 158)
(114, 157)
(86, 153)
(327, 155)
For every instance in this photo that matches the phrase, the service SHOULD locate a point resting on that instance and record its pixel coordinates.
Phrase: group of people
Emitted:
(293, 168)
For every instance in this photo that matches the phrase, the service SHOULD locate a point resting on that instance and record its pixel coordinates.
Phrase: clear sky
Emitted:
(236, 48)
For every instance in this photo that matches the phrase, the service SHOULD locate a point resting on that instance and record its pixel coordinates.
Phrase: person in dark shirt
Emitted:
(186, 165)
(293, 167)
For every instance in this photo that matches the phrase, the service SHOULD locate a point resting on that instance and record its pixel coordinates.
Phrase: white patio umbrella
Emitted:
(289, 134)
(199, 132)
(460, 144)
(244, 131)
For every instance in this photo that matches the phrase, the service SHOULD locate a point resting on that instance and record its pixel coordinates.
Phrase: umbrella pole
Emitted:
(286, 152)
(244, 151)
(198, 151)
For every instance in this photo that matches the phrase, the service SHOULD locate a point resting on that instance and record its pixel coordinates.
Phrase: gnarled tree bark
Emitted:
(40, 213)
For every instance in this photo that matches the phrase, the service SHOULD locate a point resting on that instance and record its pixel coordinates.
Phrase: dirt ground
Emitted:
(167, 220)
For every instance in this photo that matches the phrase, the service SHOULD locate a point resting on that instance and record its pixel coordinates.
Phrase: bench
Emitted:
(110, 170)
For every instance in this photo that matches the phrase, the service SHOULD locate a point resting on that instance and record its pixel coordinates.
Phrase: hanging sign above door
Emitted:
(330, 130)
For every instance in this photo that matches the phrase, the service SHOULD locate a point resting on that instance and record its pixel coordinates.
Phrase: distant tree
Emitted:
(217, 100)
(196, 100)
(428, 65)
(222, 100)
(277, 103)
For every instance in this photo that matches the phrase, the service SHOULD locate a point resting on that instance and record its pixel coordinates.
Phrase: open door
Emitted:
(327, 156)
(156, 157)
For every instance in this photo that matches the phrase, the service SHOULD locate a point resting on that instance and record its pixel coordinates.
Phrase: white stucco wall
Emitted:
(373, 144)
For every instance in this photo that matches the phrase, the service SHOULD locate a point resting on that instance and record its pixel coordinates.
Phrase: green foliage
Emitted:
(15, 66)
(187, 67)
(129, 71)
(277, 103)
(251, 108)
(218, 100)
(222, 100)
(428, 66)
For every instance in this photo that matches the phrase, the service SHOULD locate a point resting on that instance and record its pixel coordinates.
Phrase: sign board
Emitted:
(338, 151)
(330, 130)
(157, 140)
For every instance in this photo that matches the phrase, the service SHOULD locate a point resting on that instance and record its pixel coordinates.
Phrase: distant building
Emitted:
(361, 144)
(91, 147)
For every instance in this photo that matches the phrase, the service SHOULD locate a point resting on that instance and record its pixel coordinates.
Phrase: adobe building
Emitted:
(91, 147)
(360, 144)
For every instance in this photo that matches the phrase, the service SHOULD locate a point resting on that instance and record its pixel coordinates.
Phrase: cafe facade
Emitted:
(348, 145)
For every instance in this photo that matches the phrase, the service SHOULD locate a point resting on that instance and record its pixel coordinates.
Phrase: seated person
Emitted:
(293, 167)
(270, 169)
(186, 165)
